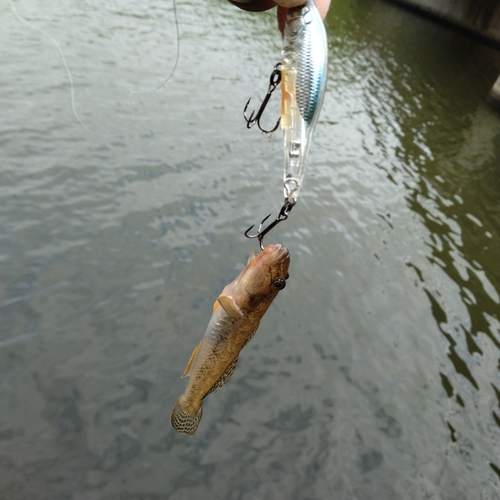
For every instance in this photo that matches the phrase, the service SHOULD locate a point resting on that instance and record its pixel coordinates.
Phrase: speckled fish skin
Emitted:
(236, 316)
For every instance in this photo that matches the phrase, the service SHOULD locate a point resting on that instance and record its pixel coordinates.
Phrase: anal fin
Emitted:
(250, 337)
(224, 377)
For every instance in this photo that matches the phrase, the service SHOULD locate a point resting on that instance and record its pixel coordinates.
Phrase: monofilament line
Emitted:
(68, 72)
(177, 52)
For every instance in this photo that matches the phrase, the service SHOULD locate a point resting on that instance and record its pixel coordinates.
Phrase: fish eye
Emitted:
(279, 283)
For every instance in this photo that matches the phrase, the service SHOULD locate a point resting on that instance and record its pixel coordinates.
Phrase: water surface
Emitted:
(375, 374)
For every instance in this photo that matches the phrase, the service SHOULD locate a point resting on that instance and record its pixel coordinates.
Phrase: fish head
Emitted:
(262, 278)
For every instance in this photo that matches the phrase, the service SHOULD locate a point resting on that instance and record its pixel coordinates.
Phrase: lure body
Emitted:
(303, 80)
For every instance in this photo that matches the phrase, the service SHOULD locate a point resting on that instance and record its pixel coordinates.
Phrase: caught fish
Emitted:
(303, 85)
(236, 316)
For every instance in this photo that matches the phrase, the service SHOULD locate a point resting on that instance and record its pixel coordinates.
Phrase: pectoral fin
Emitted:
(190, 362)
(229, 305)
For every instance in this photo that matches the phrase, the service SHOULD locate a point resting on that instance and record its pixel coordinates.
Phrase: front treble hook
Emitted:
(274, 81)
(283, 215)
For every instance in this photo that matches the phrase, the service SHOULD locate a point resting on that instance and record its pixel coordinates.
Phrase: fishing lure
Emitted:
(303, 85)
(302, 73)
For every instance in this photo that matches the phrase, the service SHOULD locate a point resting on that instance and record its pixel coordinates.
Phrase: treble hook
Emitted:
(274, 81)
(283, 215)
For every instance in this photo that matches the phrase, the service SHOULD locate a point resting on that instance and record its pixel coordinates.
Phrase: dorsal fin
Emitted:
(190, 362)
(252, 256)
(229, 305)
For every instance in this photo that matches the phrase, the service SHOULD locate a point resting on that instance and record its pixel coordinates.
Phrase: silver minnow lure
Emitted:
(303, 81)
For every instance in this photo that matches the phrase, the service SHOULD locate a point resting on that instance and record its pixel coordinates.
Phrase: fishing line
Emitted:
(177, 53)
(70, 76)
(68, 72)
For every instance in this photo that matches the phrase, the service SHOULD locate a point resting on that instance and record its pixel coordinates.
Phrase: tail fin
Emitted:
(184, 421)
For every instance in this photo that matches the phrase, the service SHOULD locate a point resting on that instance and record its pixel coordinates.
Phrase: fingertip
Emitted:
(282, 13)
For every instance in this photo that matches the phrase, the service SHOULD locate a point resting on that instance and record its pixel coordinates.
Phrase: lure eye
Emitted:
(279, 283)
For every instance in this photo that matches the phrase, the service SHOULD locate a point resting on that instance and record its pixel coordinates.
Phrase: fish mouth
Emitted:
(276, 252)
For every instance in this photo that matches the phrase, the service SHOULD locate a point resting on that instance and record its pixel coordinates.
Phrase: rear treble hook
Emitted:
(283, 215)
(274, 81)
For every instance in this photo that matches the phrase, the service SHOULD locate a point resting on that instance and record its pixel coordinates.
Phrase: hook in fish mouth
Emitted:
(277, 252)
(283, 215)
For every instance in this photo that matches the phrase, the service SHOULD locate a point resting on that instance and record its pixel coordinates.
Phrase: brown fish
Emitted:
(236, 316)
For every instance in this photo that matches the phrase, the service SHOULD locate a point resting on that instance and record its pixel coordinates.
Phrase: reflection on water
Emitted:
(375, 374)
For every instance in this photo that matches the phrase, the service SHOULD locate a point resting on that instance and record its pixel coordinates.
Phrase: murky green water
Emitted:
(374, 375)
